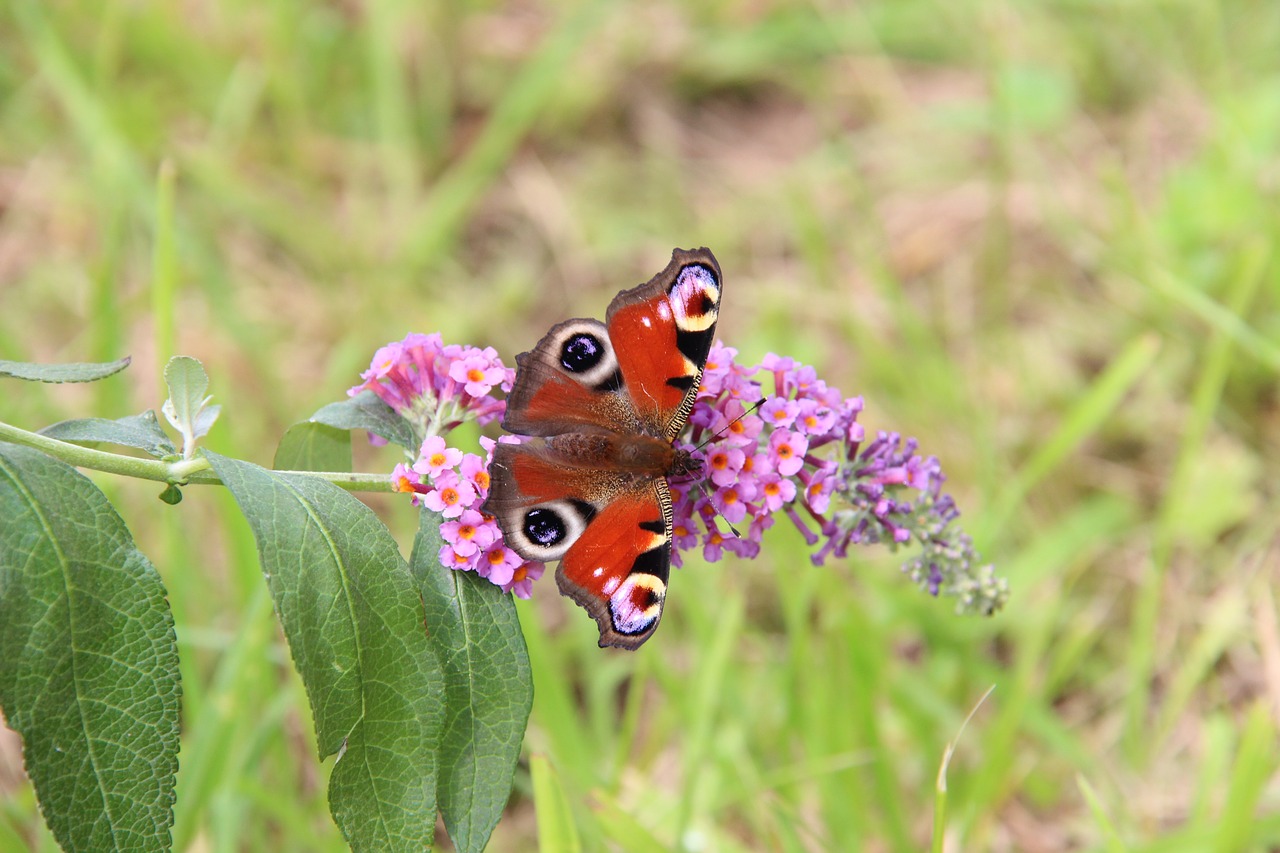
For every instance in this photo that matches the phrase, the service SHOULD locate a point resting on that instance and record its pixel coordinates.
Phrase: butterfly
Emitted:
(602, 404)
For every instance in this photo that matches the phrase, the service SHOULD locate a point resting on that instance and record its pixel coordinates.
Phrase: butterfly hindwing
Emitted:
(611, 533)
(544, 506)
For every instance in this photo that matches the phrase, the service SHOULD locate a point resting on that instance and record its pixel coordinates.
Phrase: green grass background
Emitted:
(1040, 236)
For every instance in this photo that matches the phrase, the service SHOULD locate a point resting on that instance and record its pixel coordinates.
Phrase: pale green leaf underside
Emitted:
(57, 373)
(188, 383)
(141, 431)
(365, 411)
(310, 446)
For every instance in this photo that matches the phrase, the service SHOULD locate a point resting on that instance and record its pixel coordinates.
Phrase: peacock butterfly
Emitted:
(602, 404)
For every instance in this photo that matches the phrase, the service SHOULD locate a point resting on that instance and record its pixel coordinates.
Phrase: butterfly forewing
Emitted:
(569, 381)
(668, 325)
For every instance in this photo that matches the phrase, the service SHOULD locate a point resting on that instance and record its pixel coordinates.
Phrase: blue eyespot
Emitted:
(581, 352)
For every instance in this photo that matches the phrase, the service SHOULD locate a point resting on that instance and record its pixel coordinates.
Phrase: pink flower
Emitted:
(476, 472)
(776, 491)
(434, 386)
(522, 579)
(814, 418)
(724, 464)
(817, 492)
(731, 503)
(435, 457)
(405, 479)
(450, 495)
(469, 533)
(779, 412)
(450, 558)
(732, 425)
(499, 565)
(786, 451)
(719, 365)
(713, 546)
(803, 457)
(478, 371)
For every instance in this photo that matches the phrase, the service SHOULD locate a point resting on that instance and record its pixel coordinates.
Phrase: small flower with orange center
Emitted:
(787, 450)
(435, 456)
(522, 579)
(777, 490)
(724, 463)
(478, 371)
(450, 495)
(405, 479)
(468, 534)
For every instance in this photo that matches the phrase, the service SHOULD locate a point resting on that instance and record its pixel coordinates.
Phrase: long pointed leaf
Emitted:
(88, 659)
(488, 684)
(365, 411)
(141, 431)
(311, 446)
(354, 621)
(58, 373)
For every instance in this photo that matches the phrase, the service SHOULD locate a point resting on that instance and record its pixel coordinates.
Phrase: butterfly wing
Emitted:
(610, 531)
(618, 568)
(661, 332)
(569, 382)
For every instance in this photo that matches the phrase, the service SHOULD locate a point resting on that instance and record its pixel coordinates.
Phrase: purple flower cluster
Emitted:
(437, 386)
(800, 452)
(797, 452)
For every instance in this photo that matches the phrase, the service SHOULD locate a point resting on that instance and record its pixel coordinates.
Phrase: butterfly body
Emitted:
(602, 404)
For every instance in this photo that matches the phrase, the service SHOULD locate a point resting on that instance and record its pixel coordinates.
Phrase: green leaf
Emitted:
(140, 431)
(365, 411)
(88, 659)
(188, 384)
(187, 408)
(488, 685)
(57, 373)
(310, 446)
(1255, 767)
(1098, 807)
(354, 621)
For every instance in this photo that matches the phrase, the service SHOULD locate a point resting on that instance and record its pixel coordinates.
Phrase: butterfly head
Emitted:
(685, 464)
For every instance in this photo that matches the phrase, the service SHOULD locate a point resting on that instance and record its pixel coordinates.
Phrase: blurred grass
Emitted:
(1036, 235)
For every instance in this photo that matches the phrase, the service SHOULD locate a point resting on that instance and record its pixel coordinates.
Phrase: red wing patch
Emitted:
(661, 333)
(545, 402)
(644, 337)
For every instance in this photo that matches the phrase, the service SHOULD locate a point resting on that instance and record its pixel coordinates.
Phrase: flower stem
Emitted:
(183, 471)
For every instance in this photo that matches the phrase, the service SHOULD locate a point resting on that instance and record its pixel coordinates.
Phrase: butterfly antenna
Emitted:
(702, 484)
(720, 432)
